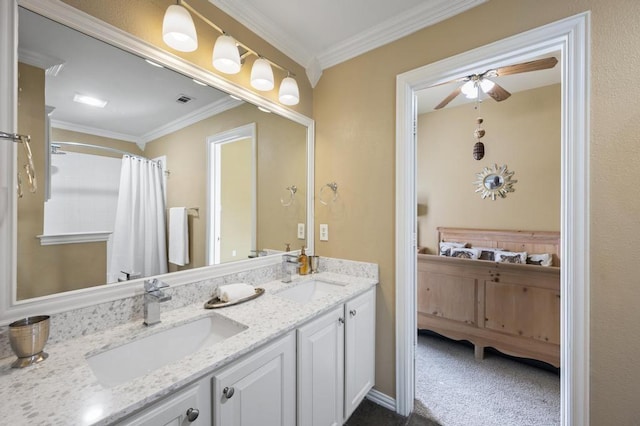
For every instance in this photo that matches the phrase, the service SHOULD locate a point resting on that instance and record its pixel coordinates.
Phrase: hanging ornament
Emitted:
(478, 148)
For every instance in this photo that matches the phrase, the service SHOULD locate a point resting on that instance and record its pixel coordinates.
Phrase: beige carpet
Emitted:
(455, 389)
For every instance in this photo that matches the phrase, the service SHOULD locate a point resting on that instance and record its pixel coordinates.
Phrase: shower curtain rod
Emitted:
(104, 148)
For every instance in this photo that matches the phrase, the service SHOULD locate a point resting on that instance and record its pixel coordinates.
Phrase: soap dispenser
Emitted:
(303, 260)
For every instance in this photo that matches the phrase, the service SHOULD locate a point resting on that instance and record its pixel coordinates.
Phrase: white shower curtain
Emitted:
(139, 237)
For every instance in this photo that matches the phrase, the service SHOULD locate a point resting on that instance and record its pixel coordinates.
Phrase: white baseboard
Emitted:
(382, 399)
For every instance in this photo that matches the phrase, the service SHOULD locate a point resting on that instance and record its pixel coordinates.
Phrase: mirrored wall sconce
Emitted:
(179, 32)
(289, 199)
(325, 197)
(29, 168)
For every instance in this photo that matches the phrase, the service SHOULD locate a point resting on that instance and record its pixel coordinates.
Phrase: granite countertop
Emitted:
(63, 390)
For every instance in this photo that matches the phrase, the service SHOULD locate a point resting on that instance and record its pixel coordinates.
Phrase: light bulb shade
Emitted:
(470, 89)
(486, 85)
(178, 30)
(226, 57)
(262, 75)
(289, 93)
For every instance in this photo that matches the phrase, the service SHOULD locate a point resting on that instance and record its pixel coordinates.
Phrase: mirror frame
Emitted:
(12, 309)
(498, 191)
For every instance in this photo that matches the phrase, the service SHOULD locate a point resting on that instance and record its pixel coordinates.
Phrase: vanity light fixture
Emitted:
(178, 31)
(289, 93)
(262, 75)
(89, 100)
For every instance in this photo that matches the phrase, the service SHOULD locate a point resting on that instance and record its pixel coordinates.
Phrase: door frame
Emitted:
(572, 37)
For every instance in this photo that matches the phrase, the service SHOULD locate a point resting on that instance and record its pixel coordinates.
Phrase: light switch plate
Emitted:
(324, 232)
(301, 231)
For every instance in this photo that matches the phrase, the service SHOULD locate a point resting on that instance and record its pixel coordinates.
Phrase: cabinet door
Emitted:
(321, 370)
(187, 407)
(258, 390)
(360, 349)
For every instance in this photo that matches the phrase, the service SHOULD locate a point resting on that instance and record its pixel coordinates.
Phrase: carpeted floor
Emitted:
(454, 389)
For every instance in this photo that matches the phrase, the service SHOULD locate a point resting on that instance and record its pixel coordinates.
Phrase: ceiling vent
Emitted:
(183, 99)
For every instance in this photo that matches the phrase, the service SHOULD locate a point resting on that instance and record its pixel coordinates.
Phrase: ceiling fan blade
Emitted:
(539, 64)
(448, 99)
(498, 93)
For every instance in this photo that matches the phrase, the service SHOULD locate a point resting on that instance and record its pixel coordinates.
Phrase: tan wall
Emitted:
(143, 18)
(354, 108)
(236, 195)
(43, 270)
(522, 132)
(281, 162)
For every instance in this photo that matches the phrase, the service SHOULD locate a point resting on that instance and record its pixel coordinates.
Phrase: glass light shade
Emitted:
(470, 89)
(486, 85)
(226, 57)
(262, 75)
(289, 93)
(178, 30)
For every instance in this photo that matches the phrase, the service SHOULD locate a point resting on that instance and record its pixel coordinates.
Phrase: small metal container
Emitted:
(314, 262)
(28, 337)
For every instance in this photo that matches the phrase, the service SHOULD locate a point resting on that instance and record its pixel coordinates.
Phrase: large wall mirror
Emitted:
(226, 161)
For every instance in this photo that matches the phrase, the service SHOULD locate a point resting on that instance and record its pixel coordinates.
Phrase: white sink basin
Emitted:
(139, 357)
(307, 291)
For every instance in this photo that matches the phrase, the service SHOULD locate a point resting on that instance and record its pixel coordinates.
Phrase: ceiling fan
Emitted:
(474, 83)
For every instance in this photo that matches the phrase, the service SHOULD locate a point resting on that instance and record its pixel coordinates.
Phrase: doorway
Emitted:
(571, 37)
(231, 195)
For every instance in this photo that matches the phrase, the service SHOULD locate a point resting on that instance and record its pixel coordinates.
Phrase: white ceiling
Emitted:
(320, 34)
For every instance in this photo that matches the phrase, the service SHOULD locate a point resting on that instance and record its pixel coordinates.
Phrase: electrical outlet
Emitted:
(233, 253)
(324, 232)
(301, 231)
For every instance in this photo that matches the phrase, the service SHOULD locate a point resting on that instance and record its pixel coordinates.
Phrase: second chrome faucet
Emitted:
(153, 296)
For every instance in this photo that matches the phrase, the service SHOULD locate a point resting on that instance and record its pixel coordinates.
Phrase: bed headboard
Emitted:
(529, 241)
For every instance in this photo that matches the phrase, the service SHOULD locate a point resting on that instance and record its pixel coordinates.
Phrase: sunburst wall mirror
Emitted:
(494, 182)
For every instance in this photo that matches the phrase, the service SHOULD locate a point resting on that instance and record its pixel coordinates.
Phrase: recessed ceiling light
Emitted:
(150, 62)
(89, 100)
(263, 109)
(198, 82)
(235, 97)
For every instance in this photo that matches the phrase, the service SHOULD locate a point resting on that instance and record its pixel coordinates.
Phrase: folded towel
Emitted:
(178, 236)
(231, 292)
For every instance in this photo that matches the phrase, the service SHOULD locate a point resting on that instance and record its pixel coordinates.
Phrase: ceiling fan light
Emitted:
(178, 30)
(289, 93)
(262, 75)
(470, 89)
(486, 85)
(226, 57)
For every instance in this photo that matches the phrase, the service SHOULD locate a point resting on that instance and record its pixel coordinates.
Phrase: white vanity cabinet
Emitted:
(336, 362)
(259, 389)
(190, 406)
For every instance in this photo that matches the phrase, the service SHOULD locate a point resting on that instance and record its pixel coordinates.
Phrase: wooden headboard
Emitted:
(529, 241)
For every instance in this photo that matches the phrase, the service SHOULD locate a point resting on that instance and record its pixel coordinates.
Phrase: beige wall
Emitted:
(522, 132)
(281, 150)
(354, 108)
(143, 18)
(236, 189)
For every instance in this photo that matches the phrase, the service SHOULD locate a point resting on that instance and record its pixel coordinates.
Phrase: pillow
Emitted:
(511, 257)
(487, 253)
(465, 253)
(446, 246)
(544, 259)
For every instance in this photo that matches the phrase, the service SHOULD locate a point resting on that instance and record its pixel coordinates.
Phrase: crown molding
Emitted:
(50, 64)
(410, 21)
(399, 26)
(206, 111)
(65, 125)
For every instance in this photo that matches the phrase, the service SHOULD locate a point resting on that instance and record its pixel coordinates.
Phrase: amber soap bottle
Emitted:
(303, 260)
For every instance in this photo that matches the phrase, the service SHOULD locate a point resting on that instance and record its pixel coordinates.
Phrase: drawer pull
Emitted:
(228, 392)
(192, 414)
(341, 320)
(353, 312)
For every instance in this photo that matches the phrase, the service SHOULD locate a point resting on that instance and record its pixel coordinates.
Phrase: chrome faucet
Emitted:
(287, 260)
(153, 296)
